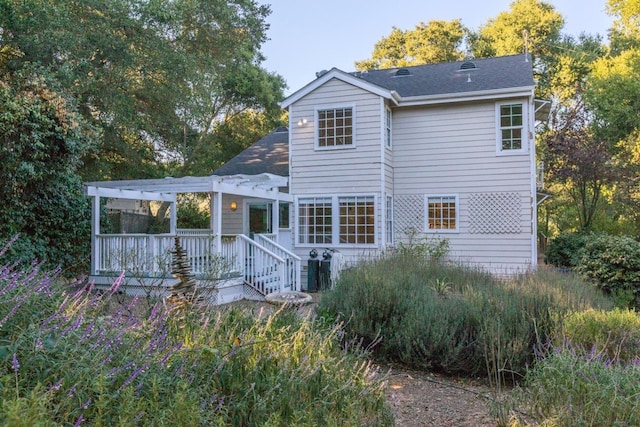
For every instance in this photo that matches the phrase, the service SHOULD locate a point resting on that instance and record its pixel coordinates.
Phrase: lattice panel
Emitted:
(494, 213)
(408, 214)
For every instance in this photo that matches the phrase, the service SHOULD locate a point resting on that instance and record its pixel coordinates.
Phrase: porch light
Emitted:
(302, 122)
(233, 206)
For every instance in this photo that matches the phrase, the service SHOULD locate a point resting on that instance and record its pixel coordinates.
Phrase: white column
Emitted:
(173, 221)
(95, 230)
(216, 219)
(275, 219)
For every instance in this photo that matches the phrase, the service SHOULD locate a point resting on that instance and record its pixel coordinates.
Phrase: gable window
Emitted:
(511, 128)
(335, 127)
(346, 220)
(387, 127)
(441, 213)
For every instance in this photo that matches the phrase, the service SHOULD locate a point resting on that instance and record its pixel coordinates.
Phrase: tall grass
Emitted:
(67, 360)
(453, 318)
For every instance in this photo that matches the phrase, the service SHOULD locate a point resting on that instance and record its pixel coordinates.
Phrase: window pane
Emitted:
(357, 220)
(441, 213)
(335, 127)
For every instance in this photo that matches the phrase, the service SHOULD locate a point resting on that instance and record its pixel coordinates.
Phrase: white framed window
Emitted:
(336, 220)
(335, 127)
(441, 213)
(511, 128)
(387, 127)
(389, 220)
(315, 220)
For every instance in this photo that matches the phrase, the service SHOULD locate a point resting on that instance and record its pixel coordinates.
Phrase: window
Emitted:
(357, 216)
(389, 218)
(335, 220)
(314, 220)
(511, 130)
(442, 213)
(335, 127)
(387, 128)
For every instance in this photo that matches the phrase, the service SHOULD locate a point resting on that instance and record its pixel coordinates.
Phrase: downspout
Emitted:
(534, 188)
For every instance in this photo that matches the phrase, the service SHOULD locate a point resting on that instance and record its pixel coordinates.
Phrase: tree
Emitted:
(42, 141)
(144, 71)
(580, 162)
(437, 41)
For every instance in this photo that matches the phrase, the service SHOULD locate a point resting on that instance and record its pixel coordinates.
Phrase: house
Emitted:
(369, 160)
(441, 151)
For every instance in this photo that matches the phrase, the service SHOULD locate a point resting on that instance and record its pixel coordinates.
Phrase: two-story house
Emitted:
(369, 160)
(440, 151)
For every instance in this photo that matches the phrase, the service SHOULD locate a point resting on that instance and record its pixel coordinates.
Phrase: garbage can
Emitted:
(313, 269)
(325, 271)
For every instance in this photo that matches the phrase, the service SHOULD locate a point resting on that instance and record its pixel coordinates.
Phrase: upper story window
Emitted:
(387, 127)
(511, 130)
(335, 127)
(441, 213)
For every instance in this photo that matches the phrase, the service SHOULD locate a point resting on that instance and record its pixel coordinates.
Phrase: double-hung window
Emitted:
(336, 220)
(335, 127)
(441, 213)
(387, 127)
(511, 132)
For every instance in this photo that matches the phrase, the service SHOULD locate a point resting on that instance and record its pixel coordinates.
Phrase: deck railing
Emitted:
(146, 255)
(293, 262)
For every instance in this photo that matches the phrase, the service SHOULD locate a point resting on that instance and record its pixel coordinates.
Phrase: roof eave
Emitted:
(446, 98)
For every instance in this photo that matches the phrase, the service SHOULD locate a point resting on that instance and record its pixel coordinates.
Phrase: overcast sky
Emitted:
(309, 36)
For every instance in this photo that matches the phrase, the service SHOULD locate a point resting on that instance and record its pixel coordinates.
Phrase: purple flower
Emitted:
(15, 363)
(72, 391)
(56, 386)
(78, 421)
(86, 404)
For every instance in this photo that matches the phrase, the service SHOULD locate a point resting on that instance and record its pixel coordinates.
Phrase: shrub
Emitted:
(68, 359)
(565, 249)
(475, 325)
(613, 334)
(613, 262)
(570, 388)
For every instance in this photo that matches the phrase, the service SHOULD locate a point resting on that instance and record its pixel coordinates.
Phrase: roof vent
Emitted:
(468, 65)
(321, 73)
(402, 72)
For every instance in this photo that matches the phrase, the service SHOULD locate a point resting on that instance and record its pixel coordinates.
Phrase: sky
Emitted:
(309, 36)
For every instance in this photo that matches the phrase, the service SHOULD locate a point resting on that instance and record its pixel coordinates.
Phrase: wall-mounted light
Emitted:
(233, 206)
(302, 122)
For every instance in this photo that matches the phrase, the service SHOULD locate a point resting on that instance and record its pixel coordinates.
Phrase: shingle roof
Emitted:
(437, 79)
(268, 155)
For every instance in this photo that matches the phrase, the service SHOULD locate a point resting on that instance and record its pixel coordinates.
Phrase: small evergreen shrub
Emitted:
(613, 263)
(565, 249)
(570, 388)
(613, 334)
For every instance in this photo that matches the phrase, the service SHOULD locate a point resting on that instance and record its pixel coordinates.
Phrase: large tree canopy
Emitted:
(147, 72)
(437, 41)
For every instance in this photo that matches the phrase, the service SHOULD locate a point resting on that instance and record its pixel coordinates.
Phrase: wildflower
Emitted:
(15, 363)
(78, 421)
(56, 386)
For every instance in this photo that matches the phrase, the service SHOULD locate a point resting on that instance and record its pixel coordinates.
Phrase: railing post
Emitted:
(151, 250)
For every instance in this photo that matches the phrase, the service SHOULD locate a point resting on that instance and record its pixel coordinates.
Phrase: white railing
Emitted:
(293, 262)
(266, 267)
(263, 270)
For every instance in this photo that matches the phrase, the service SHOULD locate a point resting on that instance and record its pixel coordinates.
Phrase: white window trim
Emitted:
(316, 127)
(426, 215)
(388, 124)
(335, 221)
(525, 130)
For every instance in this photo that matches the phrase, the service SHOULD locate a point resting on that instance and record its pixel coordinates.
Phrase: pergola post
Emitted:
(173, 219)
(216, 219)
(275, 219)
(95, 231)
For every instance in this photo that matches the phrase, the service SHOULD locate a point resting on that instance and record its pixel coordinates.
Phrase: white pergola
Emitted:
(263, 186)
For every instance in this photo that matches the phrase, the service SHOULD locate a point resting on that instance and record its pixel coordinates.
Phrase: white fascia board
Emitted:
(335, 73)
(119, 193)
(245, 190)
(446, 98)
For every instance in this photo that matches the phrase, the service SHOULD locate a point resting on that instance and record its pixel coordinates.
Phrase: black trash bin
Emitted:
(313, 271)
(325, 271)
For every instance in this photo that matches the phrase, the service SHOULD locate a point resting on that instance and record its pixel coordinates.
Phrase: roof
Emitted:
(447, 79)
(268, 155)
(455, 77)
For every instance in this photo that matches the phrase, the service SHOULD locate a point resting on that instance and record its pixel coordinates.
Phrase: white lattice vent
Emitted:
(408, 214)
(494, 213)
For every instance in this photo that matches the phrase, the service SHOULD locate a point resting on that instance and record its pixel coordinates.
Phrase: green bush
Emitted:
(613, 334)
(565, 249)
(71, 357)
(452, 318)
(568, 388)
(613, 263)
